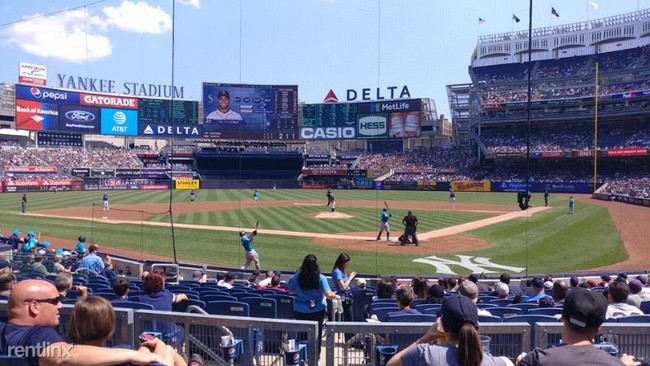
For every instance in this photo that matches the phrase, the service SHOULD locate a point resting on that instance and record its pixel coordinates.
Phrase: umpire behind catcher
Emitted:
(410, 222)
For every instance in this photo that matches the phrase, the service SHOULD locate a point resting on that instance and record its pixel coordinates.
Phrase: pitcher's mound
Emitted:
(333, 215)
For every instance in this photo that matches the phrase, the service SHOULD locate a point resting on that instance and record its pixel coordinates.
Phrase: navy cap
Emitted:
(457, 310)
(584, 308)
(606, 277)
(436, 291)
(574, 281)
(537, 282)
(223, 93)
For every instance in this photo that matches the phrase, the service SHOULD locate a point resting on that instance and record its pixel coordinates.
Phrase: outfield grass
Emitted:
(551, 241)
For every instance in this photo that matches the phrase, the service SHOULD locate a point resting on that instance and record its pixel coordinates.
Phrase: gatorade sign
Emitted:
(372, 126)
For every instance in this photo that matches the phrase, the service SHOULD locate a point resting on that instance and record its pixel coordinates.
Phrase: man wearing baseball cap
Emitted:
(583, 313)
(224, 113)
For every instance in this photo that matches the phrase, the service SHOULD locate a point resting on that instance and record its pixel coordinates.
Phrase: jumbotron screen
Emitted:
(163, 112)
(261, 112)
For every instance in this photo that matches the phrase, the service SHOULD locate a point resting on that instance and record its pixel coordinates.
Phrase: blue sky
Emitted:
(316, 44)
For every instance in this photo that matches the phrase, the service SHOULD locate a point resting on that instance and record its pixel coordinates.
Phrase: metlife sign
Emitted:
(171, 131)
(372, 126)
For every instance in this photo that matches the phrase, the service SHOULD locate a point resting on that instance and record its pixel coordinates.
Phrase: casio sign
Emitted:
(372, 125)
(323, 133)
(81, 116)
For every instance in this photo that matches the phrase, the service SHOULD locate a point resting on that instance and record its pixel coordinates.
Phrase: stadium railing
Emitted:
(203, 334)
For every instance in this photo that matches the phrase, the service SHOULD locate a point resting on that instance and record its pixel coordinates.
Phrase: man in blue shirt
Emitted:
(537, 290)
(92, 261)
(256, 196)
(80, 248)
(251, 254)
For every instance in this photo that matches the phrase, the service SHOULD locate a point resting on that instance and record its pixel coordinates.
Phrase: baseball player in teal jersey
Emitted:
(251, 254)
(256, 196)
(385, 215)
(572, 205)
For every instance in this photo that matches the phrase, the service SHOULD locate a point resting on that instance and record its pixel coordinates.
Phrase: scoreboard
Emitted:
(163, 112)
(329, 115)
(257, 112)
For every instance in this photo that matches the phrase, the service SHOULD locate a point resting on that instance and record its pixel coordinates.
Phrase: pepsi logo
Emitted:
(296, 357)
(82, 116)
(231, 351)
(36, 92)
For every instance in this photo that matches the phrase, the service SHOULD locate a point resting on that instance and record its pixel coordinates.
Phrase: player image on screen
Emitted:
(224, 114)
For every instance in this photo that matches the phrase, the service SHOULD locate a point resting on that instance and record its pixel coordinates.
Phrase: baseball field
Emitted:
(480, 232)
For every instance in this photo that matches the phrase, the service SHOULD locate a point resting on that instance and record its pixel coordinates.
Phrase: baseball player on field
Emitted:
(385, 215)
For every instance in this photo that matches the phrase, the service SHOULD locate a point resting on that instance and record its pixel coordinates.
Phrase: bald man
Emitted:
(33, 311)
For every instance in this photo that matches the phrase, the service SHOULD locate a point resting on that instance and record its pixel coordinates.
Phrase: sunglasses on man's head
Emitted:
(53, 300)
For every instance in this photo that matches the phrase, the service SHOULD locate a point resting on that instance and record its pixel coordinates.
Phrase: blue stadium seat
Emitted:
(505, 311)
(545, 311)
(241, 295)
(134, 305)
(360, 301)
(233, 308)
(181, 307)
(284, 305)
(634, 319)
(489, 319)
(382, 313)
(411, 318)
(219, 297)
(261, 307)
(523, 306)
(501, 302)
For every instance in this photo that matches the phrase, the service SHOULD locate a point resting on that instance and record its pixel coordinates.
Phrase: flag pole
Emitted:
(596, 130)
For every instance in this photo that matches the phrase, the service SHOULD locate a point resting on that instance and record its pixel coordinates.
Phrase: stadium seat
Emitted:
(284, 305)
(422, 307)
(261, 307)
(219, 297)
(501, 302)
(233, 308)
(486, 305)
(134, 305)
(181, 307)
(645, 307)
(545, 311)
(382, 313)
(505, 311)
(523, 306)
(634, 319)
(241, 295)
(411, 318)
(489, 319)
(360, 301)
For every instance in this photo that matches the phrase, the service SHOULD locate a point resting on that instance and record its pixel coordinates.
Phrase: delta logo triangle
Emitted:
(148, 130)
(331, 97)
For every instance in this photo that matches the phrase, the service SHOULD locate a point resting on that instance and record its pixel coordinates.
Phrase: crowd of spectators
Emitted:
(621, 72)
(14, 156)
(94, 158)
(629, 184)
(566, 138)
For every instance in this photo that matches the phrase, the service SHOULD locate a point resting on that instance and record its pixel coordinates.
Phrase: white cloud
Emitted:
(138, 17)
(194, 3)
(70, 36)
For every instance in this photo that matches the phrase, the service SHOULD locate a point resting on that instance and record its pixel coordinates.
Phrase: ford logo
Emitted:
(82, 116)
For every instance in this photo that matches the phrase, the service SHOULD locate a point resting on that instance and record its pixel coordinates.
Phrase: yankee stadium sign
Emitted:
(109, 86)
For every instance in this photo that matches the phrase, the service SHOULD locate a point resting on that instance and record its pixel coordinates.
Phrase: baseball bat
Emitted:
(386, 204)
